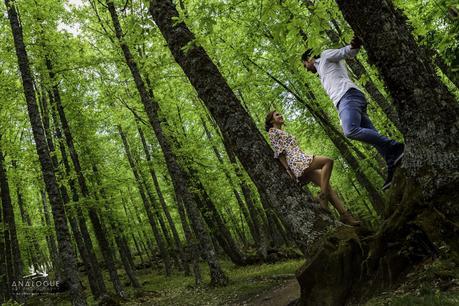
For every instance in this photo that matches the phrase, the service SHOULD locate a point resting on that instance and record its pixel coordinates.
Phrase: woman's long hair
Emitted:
(268, 123)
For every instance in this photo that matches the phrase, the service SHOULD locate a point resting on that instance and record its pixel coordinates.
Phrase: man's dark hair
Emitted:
(306, 55)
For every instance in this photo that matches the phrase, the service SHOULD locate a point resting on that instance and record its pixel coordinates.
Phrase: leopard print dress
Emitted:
(283, 142)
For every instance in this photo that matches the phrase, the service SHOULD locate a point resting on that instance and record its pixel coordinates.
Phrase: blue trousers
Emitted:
(356, 124)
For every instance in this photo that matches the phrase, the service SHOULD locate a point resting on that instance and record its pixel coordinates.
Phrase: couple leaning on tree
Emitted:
(352, 109)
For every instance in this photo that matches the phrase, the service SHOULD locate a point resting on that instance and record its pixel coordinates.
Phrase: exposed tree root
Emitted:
(351, 265)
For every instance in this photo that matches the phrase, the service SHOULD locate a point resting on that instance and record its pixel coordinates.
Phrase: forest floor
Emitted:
(247, 286)
(435, 283)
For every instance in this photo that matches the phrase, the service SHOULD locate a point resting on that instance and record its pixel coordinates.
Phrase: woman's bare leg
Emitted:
(337, 203)
(315, 176)
(325, 165)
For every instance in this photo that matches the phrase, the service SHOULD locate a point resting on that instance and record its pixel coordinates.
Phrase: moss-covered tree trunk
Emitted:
(66, 254)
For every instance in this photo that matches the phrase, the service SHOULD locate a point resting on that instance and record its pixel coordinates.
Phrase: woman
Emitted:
(305, 168)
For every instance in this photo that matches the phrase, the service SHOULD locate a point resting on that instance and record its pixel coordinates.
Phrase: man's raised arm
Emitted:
(348, 51)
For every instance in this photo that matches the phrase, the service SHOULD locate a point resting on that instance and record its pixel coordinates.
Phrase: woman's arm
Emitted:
(284, 163)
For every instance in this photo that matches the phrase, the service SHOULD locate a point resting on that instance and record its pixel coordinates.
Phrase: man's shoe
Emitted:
(386, 185)
(390, 176)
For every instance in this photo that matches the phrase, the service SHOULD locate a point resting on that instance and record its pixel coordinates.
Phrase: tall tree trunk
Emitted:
(37, 255)
(79, 228)
(52, 247)
(125, 253)
(252, 220)
(179, 177)
(147, 205)
(99, 229)
(193, 248)
(236, 125)
(66, 254)
(4, 288)
(178, 244)
(8, 215)
(63, 190)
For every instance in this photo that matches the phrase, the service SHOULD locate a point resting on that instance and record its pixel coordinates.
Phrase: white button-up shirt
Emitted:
(332, 71)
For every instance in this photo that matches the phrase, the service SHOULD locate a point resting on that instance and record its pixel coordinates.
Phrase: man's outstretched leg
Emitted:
(357, 125)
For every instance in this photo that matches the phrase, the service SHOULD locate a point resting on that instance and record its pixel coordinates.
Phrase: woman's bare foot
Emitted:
(348, 219)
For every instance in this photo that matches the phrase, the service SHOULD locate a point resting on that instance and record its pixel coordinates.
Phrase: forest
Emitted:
(139, 163)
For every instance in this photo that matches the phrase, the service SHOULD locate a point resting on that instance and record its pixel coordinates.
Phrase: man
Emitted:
(350, 102)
